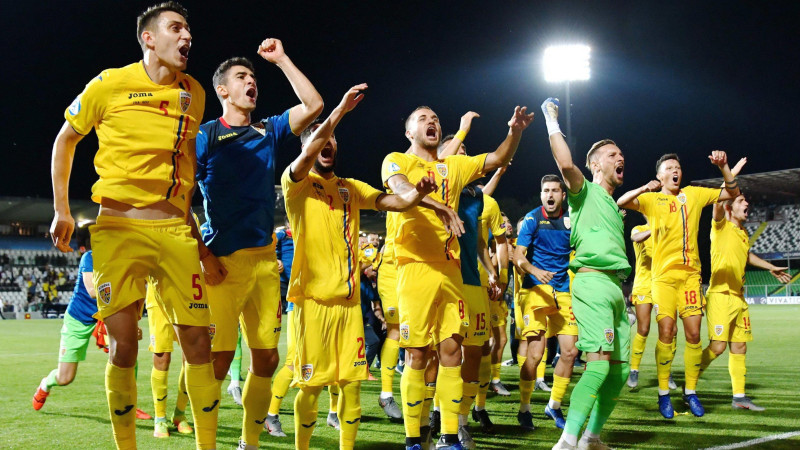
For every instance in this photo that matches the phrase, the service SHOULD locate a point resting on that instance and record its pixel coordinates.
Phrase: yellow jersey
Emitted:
(145, 133)
(324, 218)
(387, 256)
(643, 277)
(490, 220)
(674, 221)
(730, 246)
(369, 253)
(419, 234)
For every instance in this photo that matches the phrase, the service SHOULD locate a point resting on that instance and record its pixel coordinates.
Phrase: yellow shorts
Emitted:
(543, 309)
(162, 333)
(728, 318)
(431, 302)
(131, 253)
(499, 312)
(517, 319)
(290, 350)
(677, 291)
(329, 342)
(387, 290)
(477, 300)
(250, 296)
(638, 299)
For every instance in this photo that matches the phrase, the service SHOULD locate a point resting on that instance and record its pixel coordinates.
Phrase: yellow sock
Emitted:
(496, 372)
(121, 395)
(255, 400)
(158, 384)
(430, 394)
(560, 385)
(525, 391)
(203, 392)
(305, 415)
(412, 389)
(542, 365)
(436, 404)
(183, 394)
(663, 364)
(449, 386)
(333, 398)
(692, 358)
(389, 352)
(484, 378)
(521, 361)
(708, 357)
(349, 414)
(280, 386)
(637, 350)
(674, 346)
(738, 371)
(469, 392)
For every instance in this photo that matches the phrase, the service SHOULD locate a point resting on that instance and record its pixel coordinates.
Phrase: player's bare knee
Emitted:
(568, 354)
(263, 362)
(718, 347)
(162, 360)
(415, 358)
(643, 328)
(692, 335)
(738, 347)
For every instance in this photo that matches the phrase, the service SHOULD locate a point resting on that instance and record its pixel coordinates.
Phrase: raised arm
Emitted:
(720, 159)
(573, 177)
(300, 116)
(400, 185)
(60, 169)
(319, 139)
(455, 143)
(490, 187)
(505, 151)
(408, 199)
(630, 199)
(719, 208)
(778, 272)
(502, 261)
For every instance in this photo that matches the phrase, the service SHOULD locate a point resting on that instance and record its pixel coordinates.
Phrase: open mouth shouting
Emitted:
(184, 52)
(432, 132)
(251, 94)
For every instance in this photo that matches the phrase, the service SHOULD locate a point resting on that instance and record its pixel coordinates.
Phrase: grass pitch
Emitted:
(76, 416)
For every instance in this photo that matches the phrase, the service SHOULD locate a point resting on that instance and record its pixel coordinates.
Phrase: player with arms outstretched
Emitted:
(674, 215)
(146, 116)
(600, 261)
(727, 312)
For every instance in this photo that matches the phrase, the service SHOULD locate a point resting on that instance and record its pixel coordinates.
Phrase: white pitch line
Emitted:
(761, 440)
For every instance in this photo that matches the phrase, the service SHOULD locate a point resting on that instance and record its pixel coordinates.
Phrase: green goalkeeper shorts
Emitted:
(599, 308)
(74, 340)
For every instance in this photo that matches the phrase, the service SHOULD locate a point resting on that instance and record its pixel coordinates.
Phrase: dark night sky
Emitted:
(686, 77)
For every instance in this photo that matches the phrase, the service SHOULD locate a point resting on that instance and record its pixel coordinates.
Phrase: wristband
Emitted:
(552, 127)
(461, 135)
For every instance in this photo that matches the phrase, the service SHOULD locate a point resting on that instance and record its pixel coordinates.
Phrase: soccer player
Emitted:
(542, 254)
(235, 169)
(674, 214)
(727, 312)
(162, 335)
(387, 290)
(146, 116)
(642, 300)
(431, 305)
(329, 332)
(597, 301)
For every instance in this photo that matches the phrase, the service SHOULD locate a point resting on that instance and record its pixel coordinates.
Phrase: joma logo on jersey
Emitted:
(139, 94)
(544, 222)
(198, 305)
(104, 292)
(360, 363)
(226, 136)
(307, 371)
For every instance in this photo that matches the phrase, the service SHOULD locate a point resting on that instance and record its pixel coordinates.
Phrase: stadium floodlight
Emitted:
(566, 63)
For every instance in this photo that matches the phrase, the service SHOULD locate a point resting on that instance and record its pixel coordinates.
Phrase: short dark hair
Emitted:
(447, 138)
(666, 157)
(593, 149)
(221, 74)
(151, 14)
(550, 178)
(307, 132)
(408, 119)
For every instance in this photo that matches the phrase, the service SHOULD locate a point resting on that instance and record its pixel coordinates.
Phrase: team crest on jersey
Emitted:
(392, 311)
(442, 169)
(369, 252)
(682, 198)
(344, 194)
(641, 298)
(394, 168)
(63, 351)
(153, 340)
(404, 331)
(655, 308)
(526, 319)
(186, 100)
(718, 330)
(75, 107)
(307, 371)
(212, 330)
(104, 292)
(609, 333)
(566, 222)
